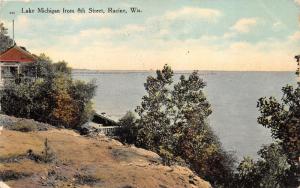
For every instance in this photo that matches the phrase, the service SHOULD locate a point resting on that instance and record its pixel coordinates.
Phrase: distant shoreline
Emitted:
(89, 71)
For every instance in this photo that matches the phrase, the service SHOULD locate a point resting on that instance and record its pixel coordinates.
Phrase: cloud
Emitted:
(295, 36)
(184, 23)
(109, 33)
(193, 13)
(26, 1)
(278, 25)
(79, 17)
(133, 28)
(229, 35)
(201, 54)
(23, 22)
(244, 25)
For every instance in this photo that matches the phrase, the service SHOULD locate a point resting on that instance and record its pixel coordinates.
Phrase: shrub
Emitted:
(8, 175)
(167, 156)
(127, 132)
(47, 155)
(83, 179)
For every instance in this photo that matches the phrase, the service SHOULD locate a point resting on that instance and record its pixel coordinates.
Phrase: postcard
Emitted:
(162, 94)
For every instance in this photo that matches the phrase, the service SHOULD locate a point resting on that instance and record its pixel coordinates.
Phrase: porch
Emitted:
(16, 72)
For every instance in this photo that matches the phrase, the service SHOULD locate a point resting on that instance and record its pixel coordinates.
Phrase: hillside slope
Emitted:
(84, 162)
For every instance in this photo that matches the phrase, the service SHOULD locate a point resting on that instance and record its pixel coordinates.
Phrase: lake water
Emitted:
(233, 96)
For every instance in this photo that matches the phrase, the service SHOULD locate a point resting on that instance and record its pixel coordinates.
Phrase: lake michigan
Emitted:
(233, 96)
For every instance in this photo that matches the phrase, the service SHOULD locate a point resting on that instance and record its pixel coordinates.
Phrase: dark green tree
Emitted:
(279, 163)
(5, 41)
(248, 174)
(283, 119)
(128, 128)
(61, 67)
(153, 113)
(270, 171)
(172, 120)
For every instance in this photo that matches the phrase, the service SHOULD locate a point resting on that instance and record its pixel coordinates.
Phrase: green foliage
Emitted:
(167, 156)
(172, 121)
(53, 98)
(248, 174)
(271, 171)
(153, 113)
(279, 163)
(44, 66)
(62, 67)
(127, 132)
(6, 41)
(32, 100)
(284, 121)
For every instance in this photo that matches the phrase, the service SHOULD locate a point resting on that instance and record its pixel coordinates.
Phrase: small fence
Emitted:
(109, 130)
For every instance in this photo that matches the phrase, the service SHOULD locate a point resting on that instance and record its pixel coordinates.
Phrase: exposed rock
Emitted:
(10, 122)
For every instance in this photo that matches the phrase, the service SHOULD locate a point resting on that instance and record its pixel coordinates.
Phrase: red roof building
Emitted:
(17, 64)
(17, 54)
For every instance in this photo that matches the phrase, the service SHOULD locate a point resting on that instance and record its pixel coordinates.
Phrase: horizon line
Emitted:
(190, 70)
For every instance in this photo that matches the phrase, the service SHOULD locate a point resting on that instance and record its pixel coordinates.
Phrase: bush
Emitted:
(167, 156)
(8, 175)
(47, 155)
(127, 132)
(83, 179)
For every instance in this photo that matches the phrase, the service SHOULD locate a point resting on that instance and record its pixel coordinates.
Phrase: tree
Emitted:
(82, 93)
(153, 112)
(284, 121)
(194, 138)
(62, 67)
(5, 41)
(279, 166)
(65, 110)
(128, 129)
(248, 175)
(172, 120)
(271, 171)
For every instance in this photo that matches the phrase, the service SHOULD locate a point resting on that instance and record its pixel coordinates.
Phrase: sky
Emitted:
(230, 35)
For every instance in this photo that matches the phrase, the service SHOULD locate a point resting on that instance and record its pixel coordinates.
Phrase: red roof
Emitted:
(17, 54)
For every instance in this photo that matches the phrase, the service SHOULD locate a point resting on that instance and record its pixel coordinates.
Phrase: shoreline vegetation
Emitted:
(171, 121)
